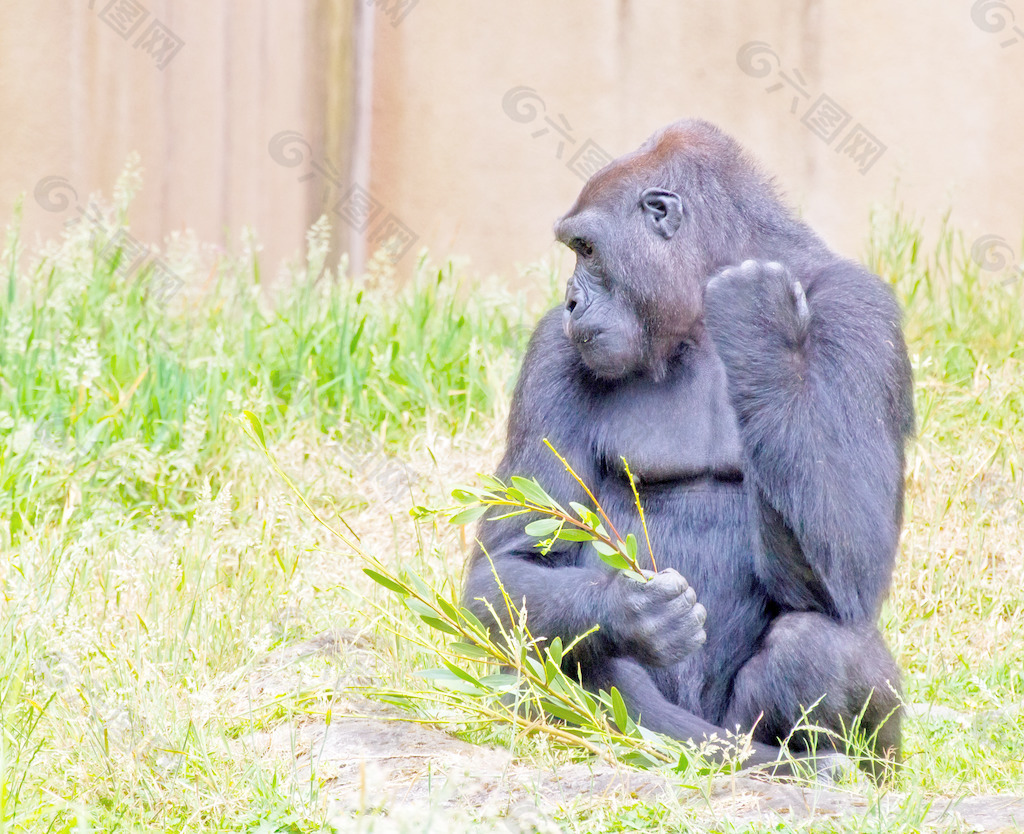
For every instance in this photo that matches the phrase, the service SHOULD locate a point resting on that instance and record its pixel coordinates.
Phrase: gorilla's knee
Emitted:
(813, 673)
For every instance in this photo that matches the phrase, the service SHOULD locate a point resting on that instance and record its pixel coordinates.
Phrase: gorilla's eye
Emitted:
(581, 247)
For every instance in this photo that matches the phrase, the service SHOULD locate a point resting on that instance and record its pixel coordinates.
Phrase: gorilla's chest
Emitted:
(675, 430)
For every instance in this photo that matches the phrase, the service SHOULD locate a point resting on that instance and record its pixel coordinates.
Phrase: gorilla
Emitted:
(758, 386)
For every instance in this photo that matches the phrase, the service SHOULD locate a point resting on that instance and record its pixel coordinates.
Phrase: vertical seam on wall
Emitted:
(225, 120)
(362, 132)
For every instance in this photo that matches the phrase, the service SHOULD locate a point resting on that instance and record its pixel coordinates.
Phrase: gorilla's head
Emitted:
(648, 231)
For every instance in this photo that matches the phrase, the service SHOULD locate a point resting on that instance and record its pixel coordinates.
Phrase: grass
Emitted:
(174, 631)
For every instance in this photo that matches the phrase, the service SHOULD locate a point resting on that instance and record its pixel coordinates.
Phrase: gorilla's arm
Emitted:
(821, 388)
(565, 593)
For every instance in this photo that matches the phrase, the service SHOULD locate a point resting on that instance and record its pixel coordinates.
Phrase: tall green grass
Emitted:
(99, 379)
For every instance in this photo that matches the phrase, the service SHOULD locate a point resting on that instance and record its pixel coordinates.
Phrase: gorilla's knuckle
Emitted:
(669, 584)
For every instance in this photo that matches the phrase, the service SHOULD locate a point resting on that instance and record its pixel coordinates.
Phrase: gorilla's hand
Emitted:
(659, 622)
(755, 302)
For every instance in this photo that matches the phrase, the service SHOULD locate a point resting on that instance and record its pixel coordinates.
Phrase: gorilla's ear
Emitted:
(664, 210)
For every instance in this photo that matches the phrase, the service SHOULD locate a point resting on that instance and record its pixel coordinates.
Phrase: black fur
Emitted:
(759, 387)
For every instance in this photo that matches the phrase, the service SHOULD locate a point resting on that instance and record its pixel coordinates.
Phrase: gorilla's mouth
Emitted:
(604, 364)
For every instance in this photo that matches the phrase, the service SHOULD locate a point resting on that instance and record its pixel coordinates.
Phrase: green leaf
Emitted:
(445, 679)
(468, 515)
(418, 606)
(684, 762)
(461, 673)
(555, 650)
(639, 759)
(542, 527)
(631, 547)
(422, 588)
(615, 560)
(256, 426)
(471, 618)
(534, 667)
(499, 680)
(551, 670)
(468, 495)
(449, 610)
(559, 710)
(470, 651)
(532, 491)
(589, 701)
(605, 549)
(575, 534)
(619, 711)
(587, 515)
(492, 483)
(390, 584)
(440, 625)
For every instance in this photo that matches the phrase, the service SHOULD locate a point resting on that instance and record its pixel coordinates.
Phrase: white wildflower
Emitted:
(251, 246)
(18, 331)
(22, 438)
(128, 184)
(193, 433)
(83, 367)
(318, 241)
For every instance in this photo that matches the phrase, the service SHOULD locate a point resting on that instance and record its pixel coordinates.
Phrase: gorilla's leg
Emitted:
(648, 706)
(809, 659)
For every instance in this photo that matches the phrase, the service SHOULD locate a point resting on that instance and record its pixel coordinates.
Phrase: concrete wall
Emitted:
(451, 159)
(940, 92)
(79, 91)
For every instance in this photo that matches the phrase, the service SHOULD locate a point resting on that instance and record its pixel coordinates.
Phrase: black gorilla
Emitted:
(759, 388)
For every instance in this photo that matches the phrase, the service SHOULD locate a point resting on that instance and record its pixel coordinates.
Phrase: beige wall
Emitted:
(76, 98)
(941, 93)
(447, 165)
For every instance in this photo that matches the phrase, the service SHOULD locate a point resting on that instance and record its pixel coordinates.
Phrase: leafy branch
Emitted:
(531, 692)
(525, 496)
(535, 689)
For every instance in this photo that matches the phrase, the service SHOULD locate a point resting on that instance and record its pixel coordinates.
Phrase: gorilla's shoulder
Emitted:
(851, 285)
(549, 390)
(550, 353)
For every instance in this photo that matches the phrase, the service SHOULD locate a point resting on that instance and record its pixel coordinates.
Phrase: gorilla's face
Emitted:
(629, 300)
(600, 317)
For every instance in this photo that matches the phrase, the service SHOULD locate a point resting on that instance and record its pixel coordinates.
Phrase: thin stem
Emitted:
(640, 509)
(586, 489)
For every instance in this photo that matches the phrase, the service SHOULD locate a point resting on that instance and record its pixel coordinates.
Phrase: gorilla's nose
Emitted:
(570, 297)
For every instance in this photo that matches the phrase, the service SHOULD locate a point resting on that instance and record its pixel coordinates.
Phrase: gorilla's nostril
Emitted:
(570, 305)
